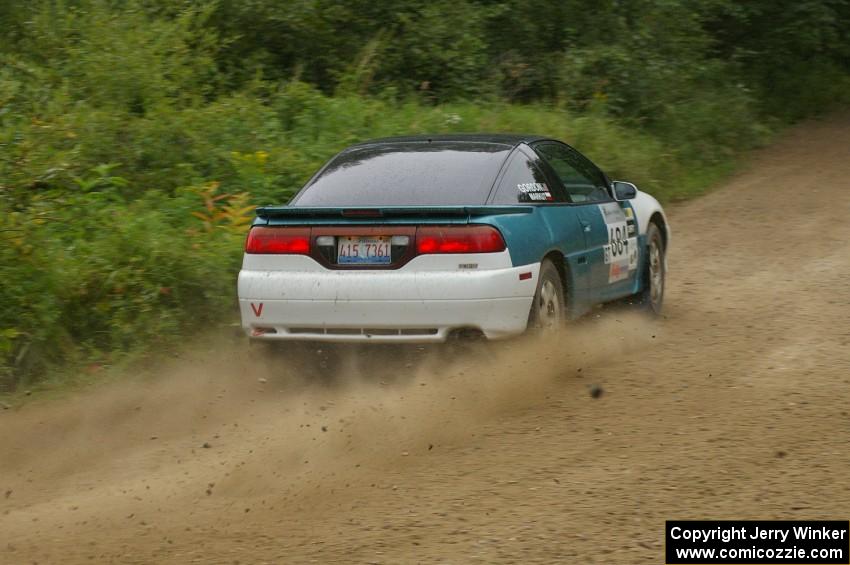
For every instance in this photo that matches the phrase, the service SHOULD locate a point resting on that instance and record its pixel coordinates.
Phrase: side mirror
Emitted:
(624, 190)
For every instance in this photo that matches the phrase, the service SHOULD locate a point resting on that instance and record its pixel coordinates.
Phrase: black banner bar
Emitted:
(769, 542)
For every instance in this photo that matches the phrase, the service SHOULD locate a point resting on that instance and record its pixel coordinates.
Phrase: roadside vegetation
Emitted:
(137, 136)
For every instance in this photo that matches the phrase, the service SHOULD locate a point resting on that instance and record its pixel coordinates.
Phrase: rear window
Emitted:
(407, 174)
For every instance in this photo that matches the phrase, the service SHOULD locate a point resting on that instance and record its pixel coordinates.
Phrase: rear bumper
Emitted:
(424, 301)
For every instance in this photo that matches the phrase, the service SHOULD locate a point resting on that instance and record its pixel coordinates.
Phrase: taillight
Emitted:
(282, 241)
(458, 239)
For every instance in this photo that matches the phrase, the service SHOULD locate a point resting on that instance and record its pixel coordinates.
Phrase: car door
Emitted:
(556, 223)
(609, 228)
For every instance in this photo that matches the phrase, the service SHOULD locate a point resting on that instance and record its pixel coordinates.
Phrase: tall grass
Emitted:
(136, 139)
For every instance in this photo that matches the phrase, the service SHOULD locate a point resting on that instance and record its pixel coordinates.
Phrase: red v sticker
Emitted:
(258, 310)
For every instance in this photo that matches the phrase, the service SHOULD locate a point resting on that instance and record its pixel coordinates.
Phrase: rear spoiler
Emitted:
(388, 212)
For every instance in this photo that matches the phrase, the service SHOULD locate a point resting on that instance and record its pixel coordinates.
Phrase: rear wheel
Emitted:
(652, 296)
(548, 308)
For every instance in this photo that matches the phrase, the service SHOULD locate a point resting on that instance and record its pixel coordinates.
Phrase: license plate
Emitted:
(363, 250)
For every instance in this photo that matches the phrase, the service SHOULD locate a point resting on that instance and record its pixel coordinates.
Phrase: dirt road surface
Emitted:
(735, 405)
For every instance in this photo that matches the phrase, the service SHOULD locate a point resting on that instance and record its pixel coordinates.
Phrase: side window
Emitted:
(582, 181)
(524, 182)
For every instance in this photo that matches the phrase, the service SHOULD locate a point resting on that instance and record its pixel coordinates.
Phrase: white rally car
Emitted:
(418, 239)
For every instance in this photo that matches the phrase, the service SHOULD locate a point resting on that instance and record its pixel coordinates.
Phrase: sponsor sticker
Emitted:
(535, 191)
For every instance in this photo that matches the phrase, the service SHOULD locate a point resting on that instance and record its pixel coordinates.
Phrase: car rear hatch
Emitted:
(376, 237)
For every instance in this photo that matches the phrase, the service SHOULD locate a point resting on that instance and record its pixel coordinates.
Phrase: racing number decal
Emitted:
(620, 253)
(618, 243)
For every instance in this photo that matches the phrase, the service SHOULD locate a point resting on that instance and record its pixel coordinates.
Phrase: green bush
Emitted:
(136, 253)
(137, 135)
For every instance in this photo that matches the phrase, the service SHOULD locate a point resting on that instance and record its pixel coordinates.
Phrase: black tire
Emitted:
(549, 307)
(651, 298)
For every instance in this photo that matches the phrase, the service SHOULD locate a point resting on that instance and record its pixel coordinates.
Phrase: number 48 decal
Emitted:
(619, 243)
(618, 238)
